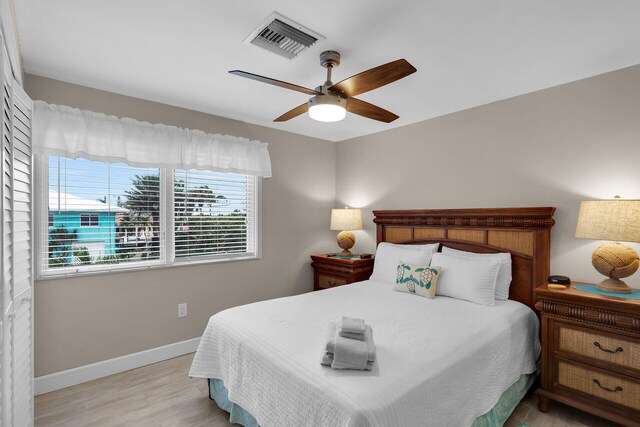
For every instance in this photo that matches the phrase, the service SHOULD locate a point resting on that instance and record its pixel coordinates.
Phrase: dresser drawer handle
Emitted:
(617, 350)
(596, 382)
(331, 284)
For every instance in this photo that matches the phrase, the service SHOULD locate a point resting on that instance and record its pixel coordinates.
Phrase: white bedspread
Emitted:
(440, 362)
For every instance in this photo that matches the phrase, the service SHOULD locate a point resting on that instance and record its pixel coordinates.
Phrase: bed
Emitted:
(439, 362)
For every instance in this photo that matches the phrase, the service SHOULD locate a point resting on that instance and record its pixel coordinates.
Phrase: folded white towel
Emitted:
(352, 325)
(327, 360)
(349, 354)
(350, 335)
(331, 341)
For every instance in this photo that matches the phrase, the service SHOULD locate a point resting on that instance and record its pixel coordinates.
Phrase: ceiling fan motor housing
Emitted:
(330, 58)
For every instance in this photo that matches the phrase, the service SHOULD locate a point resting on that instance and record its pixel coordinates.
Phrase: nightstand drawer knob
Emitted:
(330, 283)
(617, 350)
(612, 390)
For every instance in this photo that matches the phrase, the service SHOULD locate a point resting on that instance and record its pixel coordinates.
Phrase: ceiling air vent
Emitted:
(283, 36)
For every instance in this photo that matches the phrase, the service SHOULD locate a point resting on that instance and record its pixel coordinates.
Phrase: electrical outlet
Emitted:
(182, 310)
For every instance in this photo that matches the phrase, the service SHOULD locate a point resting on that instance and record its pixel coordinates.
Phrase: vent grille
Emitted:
(283, 36)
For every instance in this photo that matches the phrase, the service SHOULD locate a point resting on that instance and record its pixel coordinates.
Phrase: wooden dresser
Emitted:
(329, 272)
(590, 353)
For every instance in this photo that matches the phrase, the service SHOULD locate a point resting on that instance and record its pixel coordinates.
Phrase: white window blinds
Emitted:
(214, 214)
(100, 215)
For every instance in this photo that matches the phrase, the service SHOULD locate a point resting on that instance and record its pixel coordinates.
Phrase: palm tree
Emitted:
(60, 239)
(144, 196)
(143, 202)
(194, 233)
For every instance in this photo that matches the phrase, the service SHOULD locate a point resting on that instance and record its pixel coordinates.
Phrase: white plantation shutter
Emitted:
(214, 215)
(22, 347)
(7, 248)
(16, 359)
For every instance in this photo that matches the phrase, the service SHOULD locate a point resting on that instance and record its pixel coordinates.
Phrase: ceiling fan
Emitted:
(330, 102)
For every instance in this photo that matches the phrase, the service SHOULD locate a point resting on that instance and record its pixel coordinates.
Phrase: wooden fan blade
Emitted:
(374, 78)
(275, 82)
(300, 109)
(369, 111)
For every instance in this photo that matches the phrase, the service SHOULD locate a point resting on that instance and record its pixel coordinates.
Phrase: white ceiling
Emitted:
(467, 52)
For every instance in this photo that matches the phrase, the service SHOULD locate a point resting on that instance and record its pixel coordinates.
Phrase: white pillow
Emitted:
(388, 255)
(504, 273)
(466, 278)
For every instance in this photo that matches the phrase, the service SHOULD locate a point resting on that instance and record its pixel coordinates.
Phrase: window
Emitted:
(111, 216)
(213, 214)
(89, 220)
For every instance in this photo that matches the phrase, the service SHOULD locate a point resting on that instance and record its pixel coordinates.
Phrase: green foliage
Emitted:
(58, 261)
(81, 255)
(108, 259)
(196, 232)
(60, 239)
(197, 235)
(114, 259)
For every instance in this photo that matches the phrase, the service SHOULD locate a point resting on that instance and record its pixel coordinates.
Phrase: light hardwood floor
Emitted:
(162, 394)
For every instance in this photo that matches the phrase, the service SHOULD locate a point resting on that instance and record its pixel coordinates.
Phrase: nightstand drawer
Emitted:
(598, 384)
(599, 346)
(329, 271)
(326, 282)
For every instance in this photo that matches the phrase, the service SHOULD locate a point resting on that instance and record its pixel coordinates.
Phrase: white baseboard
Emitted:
(81, 374)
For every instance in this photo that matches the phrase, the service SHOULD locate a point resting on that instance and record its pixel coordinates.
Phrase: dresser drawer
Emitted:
(606, 347)
(598, 384)
(326, 282)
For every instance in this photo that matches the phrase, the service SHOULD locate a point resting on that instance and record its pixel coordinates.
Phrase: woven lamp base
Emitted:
(616, 286)
(615, 260)
(346, 240)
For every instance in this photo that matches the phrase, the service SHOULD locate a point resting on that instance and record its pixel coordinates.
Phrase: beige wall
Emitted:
(88, 319)
(554, 147)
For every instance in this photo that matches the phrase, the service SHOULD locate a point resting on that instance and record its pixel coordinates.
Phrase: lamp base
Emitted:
(346, 240)
(615, 261)
(615, 286)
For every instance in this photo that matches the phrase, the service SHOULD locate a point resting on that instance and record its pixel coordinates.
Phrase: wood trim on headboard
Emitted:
(524, 232)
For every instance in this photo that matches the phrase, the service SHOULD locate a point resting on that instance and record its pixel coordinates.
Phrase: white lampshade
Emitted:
(615, 220)
(346, 219)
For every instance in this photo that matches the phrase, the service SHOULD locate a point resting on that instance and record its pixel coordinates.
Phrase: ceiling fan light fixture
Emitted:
(327, 108)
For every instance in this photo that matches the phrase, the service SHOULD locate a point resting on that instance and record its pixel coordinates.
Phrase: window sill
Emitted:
(70, 273)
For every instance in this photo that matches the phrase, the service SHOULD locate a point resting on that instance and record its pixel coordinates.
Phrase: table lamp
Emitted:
(619, 221)
(346, 220)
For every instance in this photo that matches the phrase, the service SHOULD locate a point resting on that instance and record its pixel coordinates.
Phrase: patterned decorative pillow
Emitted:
(417, 279)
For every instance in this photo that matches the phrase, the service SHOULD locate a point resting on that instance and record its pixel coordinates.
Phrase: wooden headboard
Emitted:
(524, 232)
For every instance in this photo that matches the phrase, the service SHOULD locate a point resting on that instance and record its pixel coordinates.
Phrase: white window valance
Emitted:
(64, 131)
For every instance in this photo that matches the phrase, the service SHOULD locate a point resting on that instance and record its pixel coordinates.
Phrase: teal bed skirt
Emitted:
(494, 418)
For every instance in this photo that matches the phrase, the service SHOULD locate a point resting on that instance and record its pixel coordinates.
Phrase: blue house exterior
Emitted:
(94, 222)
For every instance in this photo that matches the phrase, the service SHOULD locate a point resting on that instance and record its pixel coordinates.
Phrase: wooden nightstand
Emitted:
(329, 272)
(590, 353)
